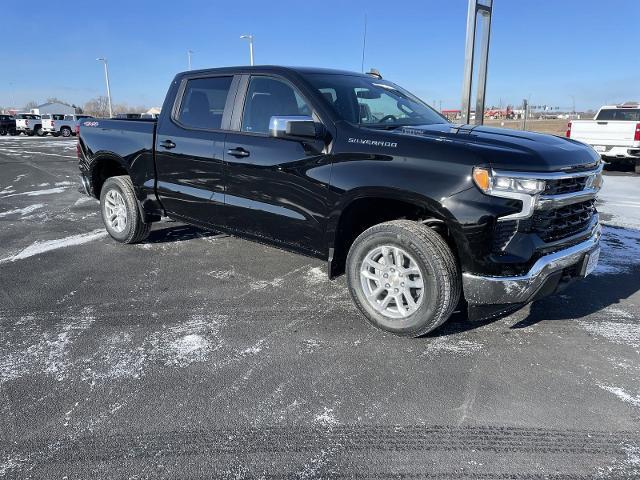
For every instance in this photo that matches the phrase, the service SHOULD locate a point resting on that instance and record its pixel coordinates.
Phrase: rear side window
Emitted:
(58, 117)
(268, 97)
(628, 114)
(46, 117)
(203, 102)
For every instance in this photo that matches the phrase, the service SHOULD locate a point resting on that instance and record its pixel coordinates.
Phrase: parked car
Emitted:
(355, 170)
(614, 133)
(29, 124)
(59, 124)
(7, 125)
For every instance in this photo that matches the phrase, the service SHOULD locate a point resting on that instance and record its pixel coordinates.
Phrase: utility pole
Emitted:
(482, 9)
(106, 77)
(525, 107)
(364, 42)
(189, 53)
(250, 38)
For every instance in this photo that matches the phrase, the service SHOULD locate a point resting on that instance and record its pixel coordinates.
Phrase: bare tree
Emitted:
(31, 104)
(57, 100)
(98, 107)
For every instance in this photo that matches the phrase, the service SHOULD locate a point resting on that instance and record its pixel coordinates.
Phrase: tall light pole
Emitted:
(250, 38)
(106, 77)
(189, 53)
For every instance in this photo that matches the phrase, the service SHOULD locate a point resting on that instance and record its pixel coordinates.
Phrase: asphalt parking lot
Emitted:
(197, 355)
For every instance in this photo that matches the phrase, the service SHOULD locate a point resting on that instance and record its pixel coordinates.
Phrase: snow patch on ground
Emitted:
(84, 199)
(316, 276)
(617, 332)
(622, 395)
(620, 251)
(36, 193)
(45, 351)
(262, 284)
(327, 418)
(22, 211)
(38, 247)
(454, 347)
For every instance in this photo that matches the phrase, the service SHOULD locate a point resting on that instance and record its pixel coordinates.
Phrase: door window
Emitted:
(268, 97)
(203, 102)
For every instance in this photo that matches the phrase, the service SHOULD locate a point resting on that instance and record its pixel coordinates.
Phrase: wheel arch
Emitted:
(103, 166)
(363, 208)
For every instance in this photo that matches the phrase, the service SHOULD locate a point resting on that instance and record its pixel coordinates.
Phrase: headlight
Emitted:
(489, 183)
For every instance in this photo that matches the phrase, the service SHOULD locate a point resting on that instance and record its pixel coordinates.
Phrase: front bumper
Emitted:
(542, 279)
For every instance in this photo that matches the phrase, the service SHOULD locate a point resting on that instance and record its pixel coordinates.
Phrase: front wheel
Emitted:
(3, 131)
(39, 132)
(120, 211)
(66, 132)
(403, 277)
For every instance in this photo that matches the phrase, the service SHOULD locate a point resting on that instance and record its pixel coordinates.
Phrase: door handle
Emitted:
(238, 152)
(168, 144)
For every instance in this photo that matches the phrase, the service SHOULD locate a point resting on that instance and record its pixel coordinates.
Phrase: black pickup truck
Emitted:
(347, 167)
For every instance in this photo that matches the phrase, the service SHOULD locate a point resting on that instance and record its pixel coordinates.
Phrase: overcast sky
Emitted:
(545, 50)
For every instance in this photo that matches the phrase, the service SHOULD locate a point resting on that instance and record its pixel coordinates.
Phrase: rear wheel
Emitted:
(65, 131)
(14, 132)
(637, 167)
(38, 131)
(3, 131)
(120, 211)
(403, 277)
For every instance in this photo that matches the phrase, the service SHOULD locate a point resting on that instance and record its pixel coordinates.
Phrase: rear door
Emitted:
(276, 187)
(189, 148)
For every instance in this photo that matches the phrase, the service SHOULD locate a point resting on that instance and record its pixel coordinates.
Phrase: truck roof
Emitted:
(274, 69)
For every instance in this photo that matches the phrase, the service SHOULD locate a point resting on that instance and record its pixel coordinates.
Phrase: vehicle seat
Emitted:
(197, 112)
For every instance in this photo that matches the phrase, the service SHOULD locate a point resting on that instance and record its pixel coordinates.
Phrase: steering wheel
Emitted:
(388, 117)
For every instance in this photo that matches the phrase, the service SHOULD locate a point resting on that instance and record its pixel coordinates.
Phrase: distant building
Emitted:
(153, 111)
(53, 108)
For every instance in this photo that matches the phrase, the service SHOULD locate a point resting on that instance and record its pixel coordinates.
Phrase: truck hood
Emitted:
(508, 149)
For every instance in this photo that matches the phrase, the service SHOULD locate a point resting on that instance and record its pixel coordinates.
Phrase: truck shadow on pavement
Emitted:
(178, 233)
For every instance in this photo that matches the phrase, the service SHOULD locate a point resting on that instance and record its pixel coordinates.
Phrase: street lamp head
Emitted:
(247, 36)
(101, 59)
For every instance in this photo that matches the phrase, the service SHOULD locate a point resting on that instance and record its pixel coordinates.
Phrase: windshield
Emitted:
(372, 102)
(629, 114)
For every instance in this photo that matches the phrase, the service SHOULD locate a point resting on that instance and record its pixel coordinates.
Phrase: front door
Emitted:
(190, 146)
(276, 188)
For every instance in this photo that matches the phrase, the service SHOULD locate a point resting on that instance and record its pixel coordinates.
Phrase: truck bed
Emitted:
(130, 141)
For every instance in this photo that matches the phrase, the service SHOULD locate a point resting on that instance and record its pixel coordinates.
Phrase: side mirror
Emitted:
(294, 126)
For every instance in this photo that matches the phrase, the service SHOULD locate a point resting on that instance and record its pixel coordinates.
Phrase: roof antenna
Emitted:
(364, 42)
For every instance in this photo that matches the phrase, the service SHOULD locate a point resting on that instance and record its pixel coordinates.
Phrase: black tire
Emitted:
(637, 167)
(29, 133)
(65, 131)
(136, 230)
(3, 131)
(13, 133)
(442, 278)
(55, 134)
(38, 131)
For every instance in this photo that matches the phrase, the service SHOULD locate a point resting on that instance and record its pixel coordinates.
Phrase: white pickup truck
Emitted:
(614, 133)
(29, 124)
(58, 124)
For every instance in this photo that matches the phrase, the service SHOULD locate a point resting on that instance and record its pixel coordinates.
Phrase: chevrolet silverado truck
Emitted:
(29, 124)
(614, 133)
(60, 124)
(353, 169)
